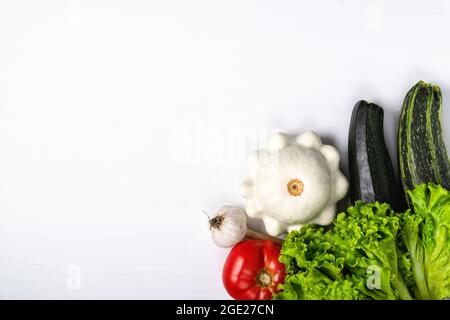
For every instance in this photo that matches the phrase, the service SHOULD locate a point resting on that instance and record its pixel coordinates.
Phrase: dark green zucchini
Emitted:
(421, 148)
(372, 175)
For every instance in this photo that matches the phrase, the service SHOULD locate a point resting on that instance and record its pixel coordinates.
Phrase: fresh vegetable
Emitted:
(357, 259)
(372, 176)
(252, 270)
(294, 181)
(374, 253)
(426, 233)
(229, 226)
(421, 149)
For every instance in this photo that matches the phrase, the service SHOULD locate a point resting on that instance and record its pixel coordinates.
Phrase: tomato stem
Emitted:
(264, 278)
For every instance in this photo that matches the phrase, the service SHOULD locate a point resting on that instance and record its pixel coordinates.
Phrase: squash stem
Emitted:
(261, 236)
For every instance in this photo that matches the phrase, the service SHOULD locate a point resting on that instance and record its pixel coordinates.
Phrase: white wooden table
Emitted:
(121, 120)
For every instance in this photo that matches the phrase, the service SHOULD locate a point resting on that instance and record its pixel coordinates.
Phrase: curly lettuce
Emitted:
(357, 259)
(314, 270)
(426, 233)
(371, 252)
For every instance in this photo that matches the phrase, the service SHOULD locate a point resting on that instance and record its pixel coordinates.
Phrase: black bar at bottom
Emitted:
(217, 309)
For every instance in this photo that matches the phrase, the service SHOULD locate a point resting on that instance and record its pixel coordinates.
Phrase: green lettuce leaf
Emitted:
(425, 231)
(343, 262)
(314, 270)
(373, 253)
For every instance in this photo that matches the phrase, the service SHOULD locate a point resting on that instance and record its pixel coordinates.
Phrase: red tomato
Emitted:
(252, 270)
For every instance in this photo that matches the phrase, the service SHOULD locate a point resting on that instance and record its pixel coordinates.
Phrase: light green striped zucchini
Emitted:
(421, 149)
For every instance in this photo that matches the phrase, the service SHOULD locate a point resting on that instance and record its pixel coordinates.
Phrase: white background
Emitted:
(121, 120)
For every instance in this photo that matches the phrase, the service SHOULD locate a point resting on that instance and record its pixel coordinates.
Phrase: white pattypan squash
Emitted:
(294, 181)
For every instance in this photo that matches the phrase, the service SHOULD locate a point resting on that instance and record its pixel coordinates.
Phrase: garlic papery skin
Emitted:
(228, 226)
(293, 182)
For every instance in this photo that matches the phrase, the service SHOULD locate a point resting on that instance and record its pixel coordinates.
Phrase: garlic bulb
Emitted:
(294, 181)
(228, 226)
